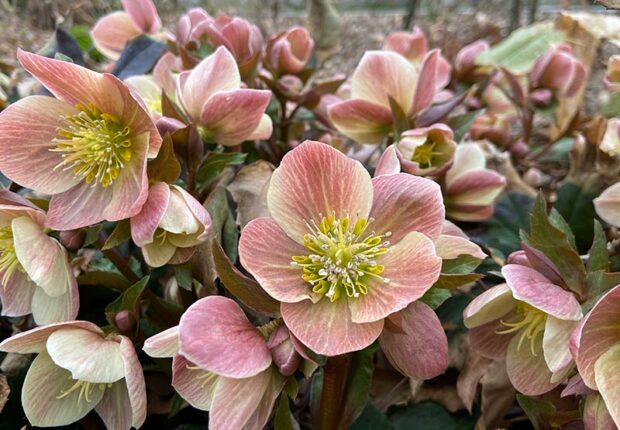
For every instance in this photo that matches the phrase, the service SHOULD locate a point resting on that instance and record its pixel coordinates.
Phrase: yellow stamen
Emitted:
(94, 145)
(8, 258)
(341, 257)
(423, 154)
(531, 324)
(85, 390)
(205, 376)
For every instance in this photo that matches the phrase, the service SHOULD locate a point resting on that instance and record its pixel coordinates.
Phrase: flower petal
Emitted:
(422, 350)
(531, 287)
(144, 224)
(449, 247)
(266, 252)
(427, 81)
(327, 328)
(607, 204)
(608, 380)
(230, 117)
(528, 373)
(555, 342)
(315, 180)
(478, 187)
(47, 310)
(404, 203)
(411, 266)
(143, 14)
(164, 344)
(468, 157)
(33, 341)
(134, 379)
(489, 306)
(388, 163)
(112, 32)
(231, 346)
(195, 385)
(595, 414)
(361, 120)
(485, 340)
(16, 296)
(158, 254)
(88, 356)
(34, 122)
(263, 130)
(115, 408)
(44, 383)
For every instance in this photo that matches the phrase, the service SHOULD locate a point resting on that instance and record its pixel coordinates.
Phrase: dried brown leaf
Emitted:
(249, 191)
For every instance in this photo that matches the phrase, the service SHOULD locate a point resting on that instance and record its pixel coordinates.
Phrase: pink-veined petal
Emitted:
(115, 407)
(449, 247)
(555, 342)
(315, 180)
(33, 122)
(427, 81)
(231, 346)
(388, 164)
(16, 296)
(595, 414)
(263, 130)
(478, 187)
(468, 156)
(607, 376)
(144, 15)
(47, 310)
(266, 252)
(489, 306)
(195, 385)
(528, 373)
(327, 328)
(411, 268)
(531, 287)
(112, 32)
(404, 203)
(485, 340)
(144, 224)
(422, 350)
(230, 117)
(164, 344)
(134, 378)
(361, 120)
(33, 341)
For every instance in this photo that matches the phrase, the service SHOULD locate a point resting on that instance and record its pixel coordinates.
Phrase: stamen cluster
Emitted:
(531, 323)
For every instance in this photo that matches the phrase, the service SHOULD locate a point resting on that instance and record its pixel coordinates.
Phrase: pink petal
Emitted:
(115, 407)
(33, 341)
(489, 306)
(315, 180)
(144, 15)
(134, 378)
(468, 157)
(595, 414)
(528, 373)
(230, 117)
(403, 203)
(555, 343)
(531, 287)
(479, 187)
(144, 224)
(422, 350)
(607, 204)
(112, 32)
(164, 344)
(607, 377)
(576, 387)
(450, 247)
(388, 163)
(426, 85)
(381, 74)
(31, 163)
(485, 340)
(327, 328)
(263, 130)
(411, 267)
(196, 386)
(266, 252)
(230, 347)
(361, 120)
(16, 295)
(163, 74)
(217, 72)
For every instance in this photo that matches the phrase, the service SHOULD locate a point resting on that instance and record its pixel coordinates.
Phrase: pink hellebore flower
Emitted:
(607, 205)
(170, 226)
(190, 28)
(560, 71)
(225, 365)
(612, 78)
(88, 147)
(289, 51)
(596, 347)
(367, 117)
(212, 97)
(112, 32)
(78, 368)
(528, 320)
(470, 188)
(35, 275)
(342, 251)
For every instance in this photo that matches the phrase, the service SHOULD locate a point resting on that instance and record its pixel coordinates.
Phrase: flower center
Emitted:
(204, 377)
(85, 390)
(424, 154)
(341, 257)
(8, 258)
(531, 323)
(94, 145)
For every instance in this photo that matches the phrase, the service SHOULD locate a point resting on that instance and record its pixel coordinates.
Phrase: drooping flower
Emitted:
(88, 147)
(559, 70)
(612, 78)
(78, 368)
(170, 226)
(596, 347)
(528, 320)
(471, 189)
(367, 117)
(341, 252)
(112, 32)
(35, 275)
(212, 97)
(607, 205)
(289, 51)
(225, 365)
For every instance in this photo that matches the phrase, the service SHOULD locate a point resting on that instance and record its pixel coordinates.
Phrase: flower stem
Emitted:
(335, 375)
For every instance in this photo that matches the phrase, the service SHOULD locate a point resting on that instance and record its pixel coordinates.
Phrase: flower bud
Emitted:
(559, 71)
(283, 351)
(125, 322)
(465, 60)
(495, 128)
(541, 97)
(611, 139)
(72, 239)
(289, 51)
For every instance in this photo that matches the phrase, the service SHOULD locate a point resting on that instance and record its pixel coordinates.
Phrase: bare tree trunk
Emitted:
(410, 17)
(531, 16)
(515, 15)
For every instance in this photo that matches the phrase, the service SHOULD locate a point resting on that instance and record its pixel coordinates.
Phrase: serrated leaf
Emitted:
(120, 235)
(215, 162)
(598, 257)
(435, 297)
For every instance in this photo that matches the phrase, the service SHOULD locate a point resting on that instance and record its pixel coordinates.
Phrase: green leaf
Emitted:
(518, 52)
(92, 233)
(358, 384)
(599, 283)
(435, 297)
(215, 162)
(559, 151)
(112, 280)
(450, 281)
(461, 124)
(183, 275)
(120, 235)
(371, 419)
(429, 415)
(283, 419)
(598, 257)
(127, 301)
(537, 410)
(461, 265)
(575, 205)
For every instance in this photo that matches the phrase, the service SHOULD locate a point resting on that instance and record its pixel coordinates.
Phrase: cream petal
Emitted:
(361, 120)
(115, 408)
(528, 373)
(144, 224)
(16, 296)
(158, 254)
(196, 386)
(178, 218)
(555, 343)
(489, 306)
(134, 380)
(607, 205)
(47, 310)
(164, 344)
(33, 341)
(449, 247)
(112, 32)
(607, 379)
(595, 414)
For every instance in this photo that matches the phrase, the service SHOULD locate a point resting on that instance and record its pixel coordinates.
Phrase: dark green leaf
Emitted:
(452, 281)
(461, 265)
(435, 297)
(283, 419)
(575, 205)
(138, 57)
(537, 410)
(128, 301)
(371, 419)
(120, 235)
(429, 415)
(215, 162)
(461, 124)
(598, 257)
(183, 275)
(92, 233)
(611, 109)
(105, 279)
(599, 283)
(358, 384)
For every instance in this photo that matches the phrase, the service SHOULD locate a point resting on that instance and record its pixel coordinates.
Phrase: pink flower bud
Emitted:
(290, 86)
(560, 71)
(495, 128)
(125, 322)
(283, 351)
(541, 97)
(72, 239)
(191, 27)
(413, 46)
(519, 148)
(518, 257)
(612, 78)
(465, 61)
(289, 51)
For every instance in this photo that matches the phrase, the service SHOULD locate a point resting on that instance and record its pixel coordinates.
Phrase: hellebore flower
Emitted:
(470, 188)
(225, 365)
(88, 148)
(35, 275)
(170, 226)
(465, 60)
(211, 96)
(612, 78)
(289, 51)
(191, 26)
(495, 128)
(596, 347)
(341, 252)
(381, 75)
(529, 320)
(78, 368)
(559, 70)
(149, 91)
(607, 205)
(112, 32)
